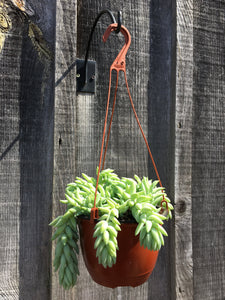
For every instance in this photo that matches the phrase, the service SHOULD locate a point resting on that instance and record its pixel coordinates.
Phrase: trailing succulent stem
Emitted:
(66, 250)
(118, 199)
(106, 231)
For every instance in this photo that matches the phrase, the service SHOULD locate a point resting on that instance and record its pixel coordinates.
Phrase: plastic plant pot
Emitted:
(134, 263)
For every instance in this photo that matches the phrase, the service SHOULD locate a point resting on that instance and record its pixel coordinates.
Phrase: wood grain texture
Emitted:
(183, 269)
(208, 153)
(161, 126)
(26, 158)
(65, 117)
(36, 159)
(10, 166)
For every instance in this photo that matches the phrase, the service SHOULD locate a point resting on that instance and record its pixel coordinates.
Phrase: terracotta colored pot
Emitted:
(134, 263)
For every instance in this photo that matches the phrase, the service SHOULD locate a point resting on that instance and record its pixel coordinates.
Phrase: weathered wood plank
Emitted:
(10, 166)
(36, 153)
(183, 269)
(26, 151)
(208, 152)
(65, 116)
(161, 126)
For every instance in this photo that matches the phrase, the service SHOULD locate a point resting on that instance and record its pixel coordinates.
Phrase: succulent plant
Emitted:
(118, 200)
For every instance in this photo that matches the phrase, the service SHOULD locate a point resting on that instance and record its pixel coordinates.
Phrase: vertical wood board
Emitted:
(161, 127)
(10, 165)
(65, 118)
(36, 151)
(208, 153)
(183, 268)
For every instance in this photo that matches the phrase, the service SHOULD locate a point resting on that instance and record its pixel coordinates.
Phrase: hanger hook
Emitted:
(119, 62)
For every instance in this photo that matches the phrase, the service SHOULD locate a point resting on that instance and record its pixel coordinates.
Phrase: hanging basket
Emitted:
(134, 263)
(126, 252)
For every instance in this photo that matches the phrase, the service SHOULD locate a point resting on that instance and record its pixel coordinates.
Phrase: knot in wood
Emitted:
(181, 206)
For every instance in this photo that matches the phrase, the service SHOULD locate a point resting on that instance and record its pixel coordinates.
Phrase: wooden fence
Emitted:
(49, 134)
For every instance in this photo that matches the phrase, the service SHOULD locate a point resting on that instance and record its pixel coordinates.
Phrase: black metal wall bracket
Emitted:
(86, 76)
(86, 69)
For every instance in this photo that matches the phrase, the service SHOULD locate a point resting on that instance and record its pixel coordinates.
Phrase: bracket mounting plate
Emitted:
(89, 86)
